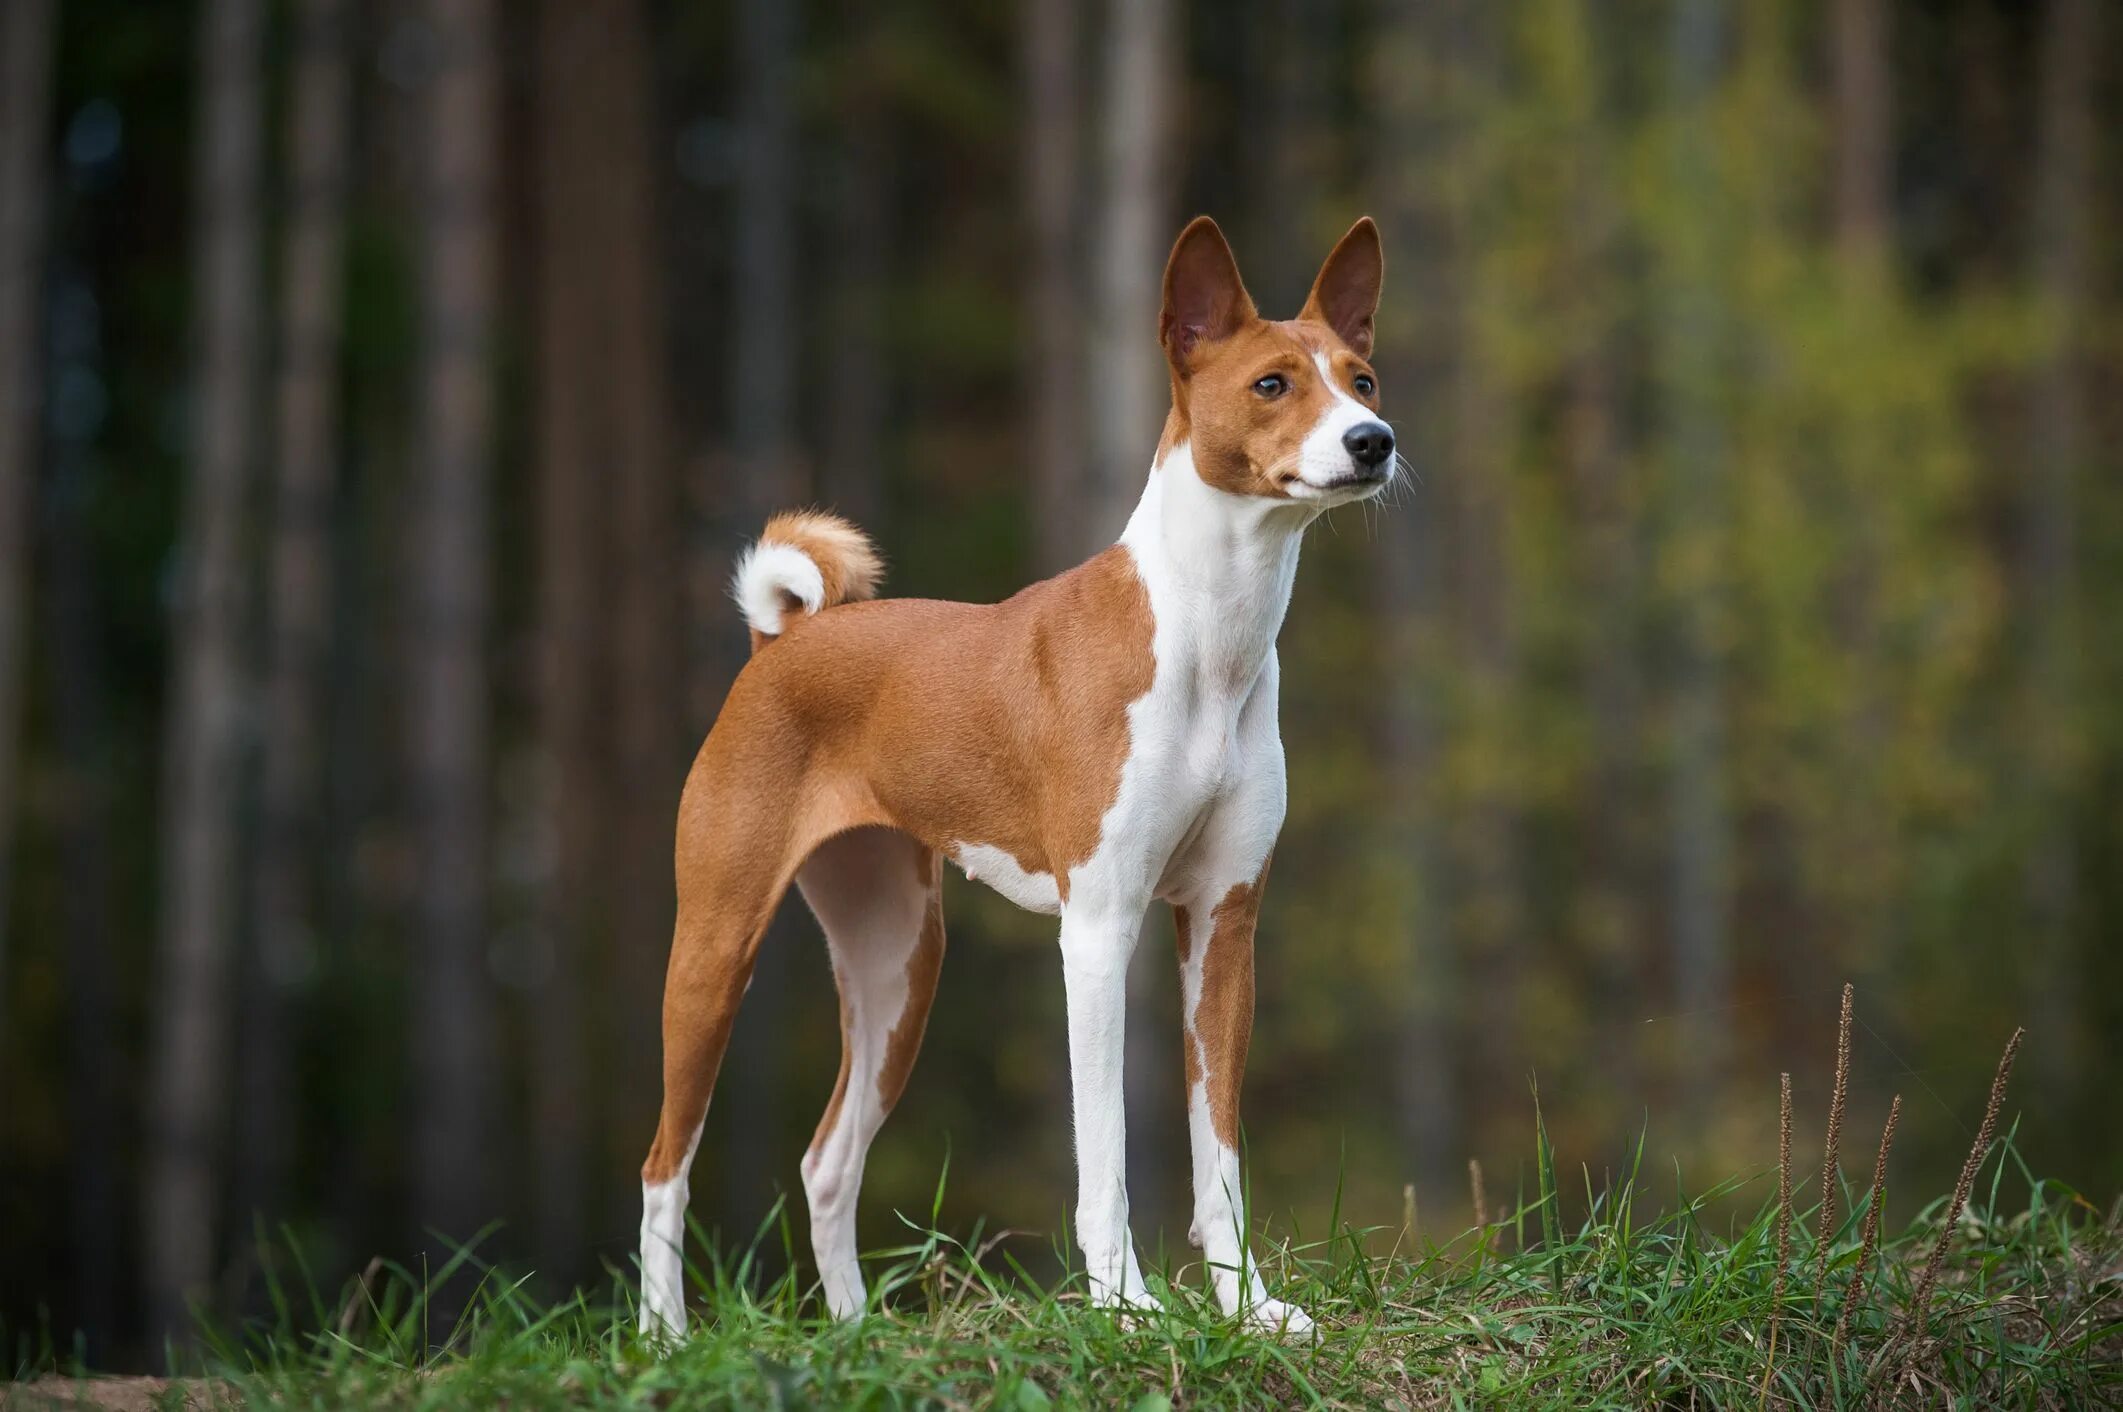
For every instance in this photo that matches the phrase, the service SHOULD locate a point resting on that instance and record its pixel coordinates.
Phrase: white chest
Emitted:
(1201, 787)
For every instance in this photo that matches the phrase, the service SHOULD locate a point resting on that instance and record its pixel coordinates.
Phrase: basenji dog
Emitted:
(1100, 741)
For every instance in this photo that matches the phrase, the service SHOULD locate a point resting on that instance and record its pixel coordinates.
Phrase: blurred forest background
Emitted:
(385, 386)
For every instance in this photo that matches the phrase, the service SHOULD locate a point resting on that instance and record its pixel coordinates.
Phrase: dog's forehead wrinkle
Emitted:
(1293, 337)
(1313, 338)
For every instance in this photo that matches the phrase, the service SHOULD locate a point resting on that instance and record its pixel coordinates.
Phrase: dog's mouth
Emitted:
(1359, 478)
(1362, 475)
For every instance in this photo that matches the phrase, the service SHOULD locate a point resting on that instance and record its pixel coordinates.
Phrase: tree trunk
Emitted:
(1693, 338)
(1863, 230)
(1287, 181)
(1055, 350)
(80, 716)
(568, 802)
(189, 1047)
(1611, 900)
(649, 755)
(1490, 924)
(2056, 438)
(298, 601)
(26, 60)
(852, 474)
(765, 475)
(1864, 98)
(1128, 400)
(453, 1010)
(1413, 70)
(1478, 865)
(1128, 393)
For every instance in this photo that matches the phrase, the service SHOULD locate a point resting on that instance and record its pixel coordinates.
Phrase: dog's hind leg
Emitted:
(738, 846)
(878, 895)
(711, 963)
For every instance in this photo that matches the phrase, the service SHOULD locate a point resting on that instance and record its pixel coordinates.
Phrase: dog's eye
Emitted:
(1364, 385)
(1273, 385)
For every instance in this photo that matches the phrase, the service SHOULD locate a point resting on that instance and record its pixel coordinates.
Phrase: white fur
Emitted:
(865, 891)
(1324, 466)
(1200, 801)
(985, 863)
(769, 576)
(663, 1233)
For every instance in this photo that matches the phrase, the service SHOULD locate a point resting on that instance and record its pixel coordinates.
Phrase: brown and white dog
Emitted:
(1099, 741)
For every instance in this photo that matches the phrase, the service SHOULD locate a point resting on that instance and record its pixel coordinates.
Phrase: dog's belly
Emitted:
(985, 863)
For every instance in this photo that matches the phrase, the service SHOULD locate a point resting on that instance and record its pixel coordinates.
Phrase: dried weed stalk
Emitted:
(1868, 1242)
(1835, 1146)
(1920, 1301)
(1776, 1294)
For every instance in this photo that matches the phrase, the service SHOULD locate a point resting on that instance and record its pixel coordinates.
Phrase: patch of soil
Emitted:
(115, 1395)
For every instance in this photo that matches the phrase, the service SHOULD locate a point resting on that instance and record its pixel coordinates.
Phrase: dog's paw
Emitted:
(663, 1326)
(1272, 1316)
(1115, 1282)
(1132, 1305)
(844, 1294)
(1132, 1308)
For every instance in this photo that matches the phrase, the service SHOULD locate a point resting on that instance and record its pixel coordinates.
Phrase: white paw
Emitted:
(844, 1293)
(1131, 1310)
(1126, 1293)
(663, 1322)
(1272, 1316)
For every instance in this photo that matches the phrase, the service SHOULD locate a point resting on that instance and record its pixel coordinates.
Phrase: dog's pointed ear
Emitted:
(1205, 299)
(1345, 296)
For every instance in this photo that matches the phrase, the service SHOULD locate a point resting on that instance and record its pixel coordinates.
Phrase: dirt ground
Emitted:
(113, 1394)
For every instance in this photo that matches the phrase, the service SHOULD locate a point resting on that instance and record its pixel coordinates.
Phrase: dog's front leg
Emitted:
(1214, 929)
(1095, 945)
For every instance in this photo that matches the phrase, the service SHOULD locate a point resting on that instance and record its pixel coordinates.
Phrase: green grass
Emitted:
(1630, 1302)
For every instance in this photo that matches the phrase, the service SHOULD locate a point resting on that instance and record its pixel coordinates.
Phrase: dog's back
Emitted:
(997, 725)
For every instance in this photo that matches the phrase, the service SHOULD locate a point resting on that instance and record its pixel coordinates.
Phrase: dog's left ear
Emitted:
(1345, 296)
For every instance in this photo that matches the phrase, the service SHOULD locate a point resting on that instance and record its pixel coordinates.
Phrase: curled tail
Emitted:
(803, 561)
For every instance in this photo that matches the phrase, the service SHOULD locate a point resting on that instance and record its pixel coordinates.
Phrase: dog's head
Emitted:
(1282, 409)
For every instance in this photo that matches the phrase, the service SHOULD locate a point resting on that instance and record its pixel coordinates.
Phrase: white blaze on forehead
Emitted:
(1322, 460)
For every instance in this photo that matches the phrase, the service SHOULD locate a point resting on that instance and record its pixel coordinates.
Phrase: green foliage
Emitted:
(1850, 558)
(1619, 1311)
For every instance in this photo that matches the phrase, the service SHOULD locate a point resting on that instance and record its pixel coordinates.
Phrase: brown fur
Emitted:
(830, 1119)
(923, 968)
(847, 561)
(849, 566)
(1223, 1017)
(1003, 724)
(1218, 348)
(1345, 295)
(1190, 1047)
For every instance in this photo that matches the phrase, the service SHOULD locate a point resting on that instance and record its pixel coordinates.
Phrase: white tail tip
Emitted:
(773, 580)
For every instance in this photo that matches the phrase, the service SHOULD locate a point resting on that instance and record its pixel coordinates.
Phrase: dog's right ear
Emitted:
(1205, 299)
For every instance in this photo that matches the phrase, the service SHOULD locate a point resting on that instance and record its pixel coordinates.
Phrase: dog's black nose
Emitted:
(1369, 443)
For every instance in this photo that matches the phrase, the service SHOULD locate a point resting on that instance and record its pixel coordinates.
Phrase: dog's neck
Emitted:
(1219, 568)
